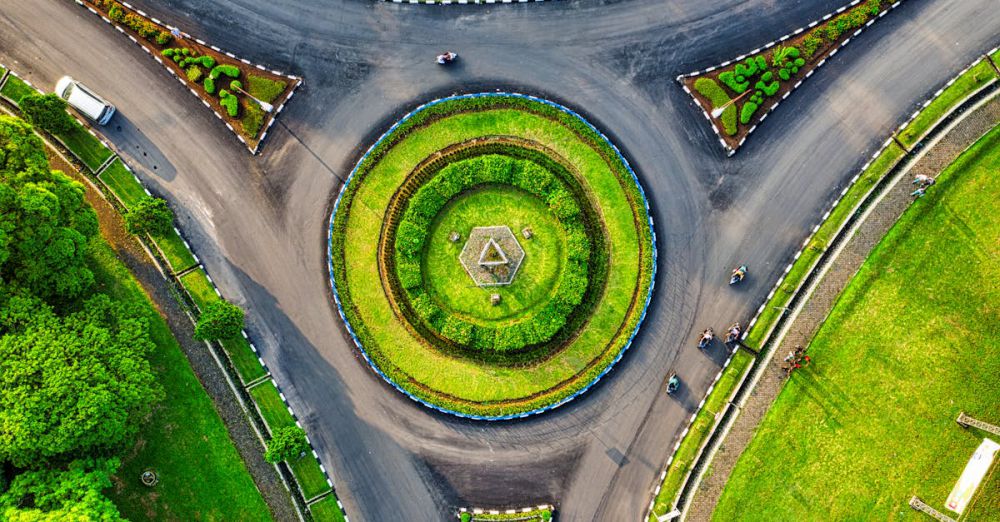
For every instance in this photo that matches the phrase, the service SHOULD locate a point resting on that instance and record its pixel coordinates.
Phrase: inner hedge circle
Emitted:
(492, 255)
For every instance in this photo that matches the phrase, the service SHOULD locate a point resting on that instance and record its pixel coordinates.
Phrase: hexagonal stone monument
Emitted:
(492, 256)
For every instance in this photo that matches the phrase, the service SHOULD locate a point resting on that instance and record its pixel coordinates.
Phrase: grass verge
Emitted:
(705, 420)
(202, 477)
(87, 148)
(177, 254)
(122, 183)
(244, 359)
(909, 344)
(15, 88)
(327, 510)
(199, 288)
(977, 76)
(306, 469)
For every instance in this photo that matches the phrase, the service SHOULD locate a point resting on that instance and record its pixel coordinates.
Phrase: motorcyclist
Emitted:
(706, 337)
(738, 274)
(446, 57)
(734, 332)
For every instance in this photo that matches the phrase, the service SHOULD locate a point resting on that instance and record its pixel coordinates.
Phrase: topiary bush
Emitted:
(230, 102)
(229, 70)
(194, 73)
(209, 85)
(747, 111)
(235, 85)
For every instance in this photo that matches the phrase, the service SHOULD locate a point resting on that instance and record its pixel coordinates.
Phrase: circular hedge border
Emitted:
(494, 168)
(587, 134)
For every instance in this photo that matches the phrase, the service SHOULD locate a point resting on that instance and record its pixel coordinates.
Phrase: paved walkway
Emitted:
(818, 305)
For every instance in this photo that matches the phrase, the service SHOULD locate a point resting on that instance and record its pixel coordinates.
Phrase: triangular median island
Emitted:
(492, 254)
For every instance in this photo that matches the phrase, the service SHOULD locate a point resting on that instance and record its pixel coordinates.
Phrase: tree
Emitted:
(74, 385)
(287, 444)
(72, 494)
(46, 111)
(219, 320)
(45, 222)
(150, 216)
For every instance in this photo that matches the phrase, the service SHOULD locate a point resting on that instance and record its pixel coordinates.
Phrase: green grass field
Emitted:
(977, 76)
(14, 89)
(327, 510)
(122, 183)
(909, 344)
(199, 288)
(202, 477)
(470, 385)
(452, 287)
(306, 469)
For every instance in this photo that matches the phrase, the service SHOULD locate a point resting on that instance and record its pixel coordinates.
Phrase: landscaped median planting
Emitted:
(529, 514)
(737, 95)
(245, 96)
(305, 469)
(514, 250)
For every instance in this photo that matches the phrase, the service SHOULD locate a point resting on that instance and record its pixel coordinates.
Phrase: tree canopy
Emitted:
(72, 494)
(74, 385)
(47, 111)
(150, 216)
(45, 223)
(288, 443)
(219, 320)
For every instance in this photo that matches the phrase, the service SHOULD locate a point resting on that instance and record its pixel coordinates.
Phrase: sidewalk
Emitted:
(818, 304)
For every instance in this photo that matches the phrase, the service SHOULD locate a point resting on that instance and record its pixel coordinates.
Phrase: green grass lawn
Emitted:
(177, 254)
(200, 288)
(452, 287)
(306, 469)
(979, 75)
(202, 477)
(85, 146)
(15, 88)
(327, 510)
(465, 384)
(244, 359)
(122, 183)
(909, 344)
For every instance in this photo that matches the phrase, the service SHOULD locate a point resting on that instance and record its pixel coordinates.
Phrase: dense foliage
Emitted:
(150, 216)
(287, 444)
(44, 221)
(219, 320)
(449, 182)
(70, 494)
(46, 111)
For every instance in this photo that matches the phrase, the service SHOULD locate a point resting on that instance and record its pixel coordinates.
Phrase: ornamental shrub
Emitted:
(169, 53)
(46, 111)
(857, 18)
(235, 85)
(185, 51)
(811, 43)
(799, 62)
(264, 88)
(194, 73)
(784, 74)
(747, 112)
(873, 7)
(769, 89)
(207, 62)
(219, 320)
(466, 517)
(209, 85)
(728, 78)
(164, 38)
(116, 13)
(761, 62)
(150, 216)
(229, 70)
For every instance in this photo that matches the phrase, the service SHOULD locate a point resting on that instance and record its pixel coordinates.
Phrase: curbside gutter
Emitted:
(296, 80)
(725, 418)
(174, 278)
(707, 111)
(357, 342)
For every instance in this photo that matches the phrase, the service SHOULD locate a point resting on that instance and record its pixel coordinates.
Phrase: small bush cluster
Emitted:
(229, 70)
(834, 29)
(452, 180)
(194, 74)
(140, 25)
(230, 102)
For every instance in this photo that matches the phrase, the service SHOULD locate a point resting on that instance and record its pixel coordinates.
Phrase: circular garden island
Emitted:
(492, 255)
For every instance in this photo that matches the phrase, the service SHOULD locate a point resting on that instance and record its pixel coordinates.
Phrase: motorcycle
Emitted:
(673, 384)
(446, 58)
(706, 338)
(733, 334)
(738, 275)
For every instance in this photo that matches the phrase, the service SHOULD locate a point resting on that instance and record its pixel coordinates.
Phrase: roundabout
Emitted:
(514, 254)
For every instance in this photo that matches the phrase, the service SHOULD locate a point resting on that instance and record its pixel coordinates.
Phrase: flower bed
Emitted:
(748, 88)
(225, 83)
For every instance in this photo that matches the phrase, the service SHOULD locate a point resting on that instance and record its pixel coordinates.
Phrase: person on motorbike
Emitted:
(739, 274)
(706, 338)
(734, 332)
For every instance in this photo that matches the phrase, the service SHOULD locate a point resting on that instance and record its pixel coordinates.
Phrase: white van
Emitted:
(84, 100)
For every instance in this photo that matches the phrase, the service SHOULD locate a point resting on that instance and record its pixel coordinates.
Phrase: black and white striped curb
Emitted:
(296, 80)
(707, 111)
(801, 284)
(199, 264)
(483, 511)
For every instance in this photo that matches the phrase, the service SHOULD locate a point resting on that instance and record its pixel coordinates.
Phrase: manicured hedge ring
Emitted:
(492, 160)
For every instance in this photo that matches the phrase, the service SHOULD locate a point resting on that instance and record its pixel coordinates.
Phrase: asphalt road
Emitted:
(259, 223)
